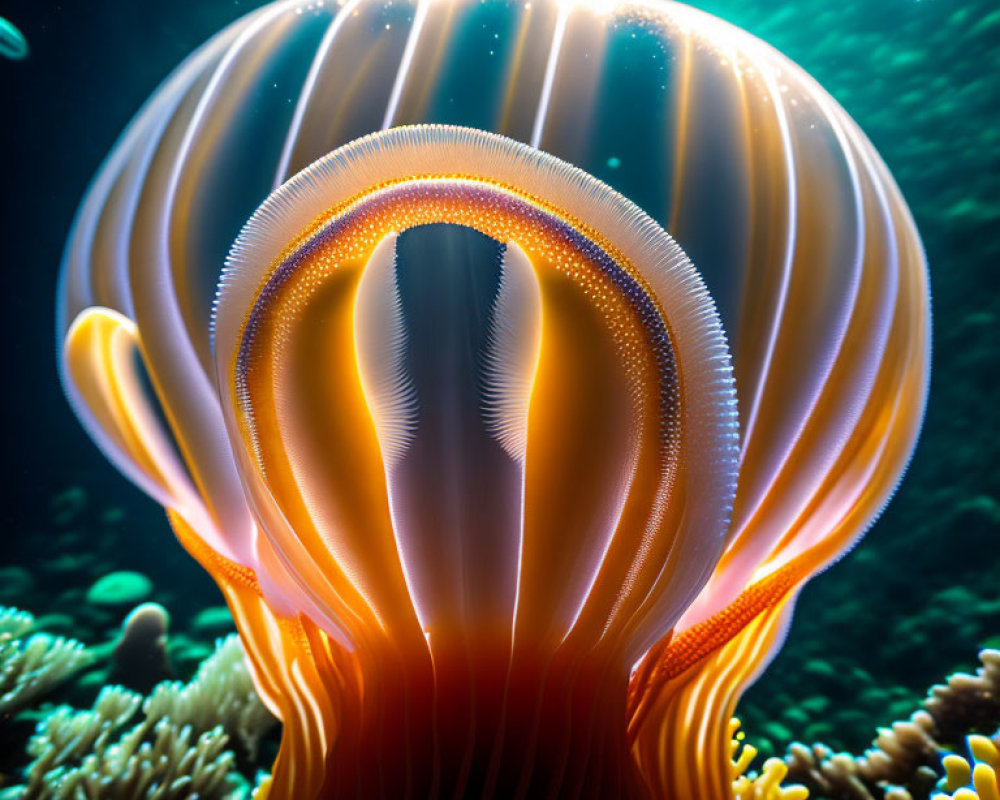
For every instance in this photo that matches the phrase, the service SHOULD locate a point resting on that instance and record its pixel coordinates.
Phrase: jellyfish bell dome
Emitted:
(510, 366)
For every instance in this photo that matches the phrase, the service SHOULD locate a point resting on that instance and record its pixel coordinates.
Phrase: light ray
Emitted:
(405, 63)
(305, 96)
(550, 74)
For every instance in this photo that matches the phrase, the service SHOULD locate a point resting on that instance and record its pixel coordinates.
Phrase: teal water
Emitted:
(914, 601)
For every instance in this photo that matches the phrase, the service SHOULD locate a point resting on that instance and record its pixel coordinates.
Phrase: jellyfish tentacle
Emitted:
(102, 366)
(380, 337)
(700, 701)
(678, 653)
(510, 365)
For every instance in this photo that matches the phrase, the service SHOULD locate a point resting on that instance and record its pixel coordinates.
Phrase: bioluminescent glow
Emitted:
(559, 345)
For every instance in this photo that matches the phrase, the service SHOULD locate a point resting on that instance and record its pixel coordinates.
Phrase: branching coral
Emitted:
(32, 664)
(14, 622)
(177, 749)
(222, 693)
(87, 754)
(967, 702)
(904, 762)
(767, 785)
(983, 773)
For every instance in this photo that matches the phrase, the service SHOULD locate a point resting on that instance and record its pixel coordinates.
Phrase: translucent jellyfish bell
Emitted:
(510, 476)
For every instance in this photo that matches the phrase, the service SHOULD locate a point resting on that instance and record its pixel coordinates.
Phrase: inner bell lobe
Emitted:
(456, 492)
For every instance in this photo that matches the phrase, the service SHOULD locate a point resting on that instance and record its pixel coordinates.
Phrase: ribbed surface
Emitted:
(672, 499)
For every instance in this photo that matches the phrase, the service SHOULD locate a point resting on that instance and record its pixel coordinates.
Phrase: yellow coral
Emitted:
(984, 771)
(765, 786)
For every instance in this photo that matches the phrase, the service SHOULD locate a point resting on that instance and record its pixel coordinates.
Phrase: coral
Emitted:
(120, 589)
(841, 776)
(87, 754)
(32, 664)
(983, 773)
(904, 761)
(140, 659)
(222, 693)
(213, 621)
(766, 785)
(968, 702)
(176, 747)
(14, 622)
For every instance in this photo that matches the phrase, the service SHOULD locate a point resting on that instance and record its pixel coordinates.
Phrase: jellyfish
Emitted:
(13, 45)
(510, 366)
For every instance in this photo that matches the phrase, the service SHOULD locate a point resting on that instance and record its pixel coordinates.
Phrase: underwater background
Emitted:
(915, 601)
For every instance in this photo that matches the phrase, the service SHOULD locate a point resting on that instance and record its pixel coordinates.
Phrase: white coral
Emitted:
(221, 693)
(85, 755)
(176, 750)
(15, 623)
(31, 665)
